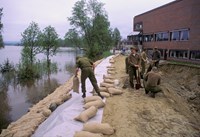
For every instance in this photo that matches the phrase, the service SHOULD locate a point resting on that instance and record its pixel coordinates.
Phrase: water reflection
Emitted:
(17, 97)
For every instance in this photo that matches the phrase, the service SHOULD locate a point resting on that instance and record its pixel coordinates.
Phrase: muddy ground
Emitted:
(173, 113)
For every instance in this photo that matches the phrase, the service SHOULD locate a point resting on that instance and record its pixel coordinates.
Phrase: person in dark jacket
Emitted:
(87, 71)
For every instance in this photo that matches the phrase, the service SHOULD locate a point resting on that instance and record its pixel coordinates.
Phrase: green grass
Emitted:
(106, 54)
(189, 64)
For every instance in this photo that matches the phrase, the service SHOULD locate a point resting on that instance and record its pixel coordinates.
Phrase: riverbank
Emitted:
(134, 114)
(27, 124)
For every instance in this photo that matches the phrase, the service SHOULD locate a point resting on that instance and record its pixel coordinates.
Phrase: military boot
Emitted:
(83, 96)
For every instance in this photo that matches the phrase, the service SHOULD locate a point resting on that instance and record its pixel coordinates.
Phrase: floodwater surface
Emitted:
(15, 97)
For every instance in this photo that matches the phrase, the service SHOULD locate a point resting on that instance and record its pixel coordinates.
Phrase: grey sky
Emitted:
(18, 14)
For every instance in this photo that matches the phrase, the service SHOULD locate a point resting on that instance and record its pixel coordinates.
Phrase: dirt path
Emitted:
(135, 114)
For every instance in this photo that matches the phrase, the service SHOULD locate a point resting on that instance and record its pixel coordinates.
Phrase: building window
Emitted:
(184, 35)
(164, 36)
(138, 26)
(148, 38)
(178, 54)
(180, 35)
(195, 55)
(175, 36)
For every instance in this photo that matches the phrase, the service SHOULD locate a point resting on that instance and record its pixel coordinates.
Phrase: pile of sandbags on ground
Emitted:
(91, 105)
(94, 129)
(109, 86)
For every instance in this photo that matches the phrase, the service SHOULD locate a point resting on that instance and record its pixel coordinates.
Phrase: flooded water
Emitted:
(15, 98)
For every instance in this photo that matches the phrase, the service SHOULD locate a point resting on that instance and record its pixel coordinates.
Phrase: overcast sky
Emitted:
(18, 14)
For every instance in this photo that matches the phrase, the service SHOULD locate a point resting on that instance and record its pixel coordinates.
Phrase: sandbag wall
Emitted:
(108, 88)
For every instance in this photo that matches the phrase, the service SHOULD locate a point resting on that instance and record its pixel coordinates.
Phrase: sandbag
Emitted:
(96, 103)
(112, 61)
(46, 112)
(111, 69)
(111, 72)
(107, 85)
(115, 91)
(95, 127)
(66, 97)
(76, 84)
(103, 89)
(87, 134)
(111, 66)
(108, 77)
(104, 94)
(108, 81)
(91, 98)
(87, 114)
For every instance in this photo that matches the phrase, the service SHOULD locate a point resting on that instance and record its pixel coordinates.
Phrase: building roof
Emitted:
(173, 2)
(133, 33)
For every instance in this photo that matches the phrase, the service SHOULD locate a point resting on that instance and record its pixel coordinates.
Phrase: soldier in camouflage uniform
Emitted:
(87, 71)
(133, 64)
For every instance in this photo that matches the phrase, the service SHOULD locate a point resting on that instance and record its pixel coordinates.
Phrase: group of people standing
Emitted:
(136, 68)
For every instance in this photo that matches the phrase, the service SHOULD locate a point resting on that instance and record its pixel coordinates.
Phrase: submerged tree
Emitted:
(31, 42)
(1, 27)
(49, 42)
(91, 21)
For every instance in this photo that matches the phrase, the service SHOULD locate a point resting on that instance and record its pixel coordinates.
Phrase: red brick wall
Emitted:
(176, 15)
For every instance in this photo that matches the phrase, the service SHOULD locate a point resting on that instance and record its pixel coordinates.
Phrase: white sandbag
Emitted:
(112, 66)
(115, 91)
(66, 97)
(108, 81)
(46, 112)
(108, 77)
(107, 85)
(96, 103)
(20, 133)
(111, 69)
(104, 94)
(91, 98)
(95, 127)
(87, 114)
(76, 84)
(112, 61)
(87, 134)
(103, 89)
(111, 72)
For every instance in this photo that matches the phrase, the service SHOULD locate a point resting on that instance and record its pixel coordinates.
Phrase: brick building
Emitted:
(174, 28)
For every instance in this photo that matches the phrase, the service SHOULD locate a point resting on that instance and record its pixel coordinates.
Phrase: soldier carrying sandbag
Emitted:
(87, 71)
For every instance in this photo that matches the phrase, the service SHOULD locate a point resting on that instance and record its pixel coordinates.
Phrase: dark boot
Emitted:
(146, 91)
(83, 96)
(152, 95)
